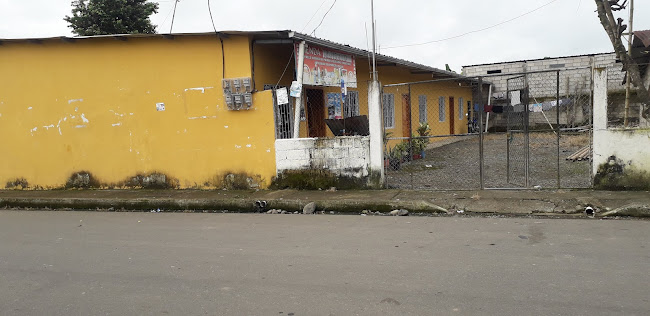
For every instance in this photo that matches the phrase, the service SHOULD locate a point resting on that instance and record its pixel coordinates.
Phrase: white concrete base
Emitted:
(344, 156)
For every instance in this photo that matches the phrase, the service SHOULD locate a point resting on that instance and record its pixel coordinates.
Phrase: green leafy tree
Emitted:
(102, 17)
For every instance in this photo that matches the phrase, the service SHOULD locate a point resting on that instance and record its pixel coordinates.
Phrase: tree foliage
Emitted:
(102, 17)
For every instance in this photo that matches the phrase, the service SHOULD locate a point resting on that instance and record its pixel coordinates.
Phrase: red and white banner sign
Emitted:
(325, 67)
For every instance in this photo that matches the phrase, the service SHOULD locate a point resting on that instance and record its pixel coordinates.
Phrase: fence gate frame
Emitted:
(531, 155)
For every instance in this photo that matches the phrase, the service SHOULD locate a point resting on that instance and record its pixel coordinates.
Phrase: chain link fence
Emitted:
(431, 135)
(530, 130)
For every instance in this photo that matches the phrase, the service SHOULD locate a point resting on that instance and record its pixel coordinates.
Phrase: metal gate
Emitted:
(512, 131)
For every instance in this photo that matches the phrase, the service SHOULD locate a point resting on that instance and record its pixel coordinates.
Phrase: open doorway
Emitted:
(315, 108)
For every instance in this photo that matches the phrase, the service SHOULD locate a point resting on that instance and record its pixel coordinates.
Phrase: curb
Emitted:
(237, 205)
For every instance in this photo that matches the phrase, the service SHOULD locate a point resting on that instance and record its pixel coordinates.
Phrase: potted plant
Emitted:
(420, 143)
(387, 150)
(395, 156)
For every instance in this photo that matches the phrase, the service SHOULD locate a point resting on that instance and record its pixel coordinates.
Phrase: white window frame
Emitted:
(388, 101)
(461, 112)
(442, 109)
(422, 106)
(351, 107)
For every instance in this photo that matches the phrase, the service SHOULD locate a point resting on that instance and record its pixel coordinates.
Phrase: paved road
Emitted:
(85, 263)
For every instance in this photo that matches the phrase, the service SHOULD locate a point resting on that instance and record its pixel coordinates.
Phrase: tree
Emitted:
(102, 17)
(615, 29)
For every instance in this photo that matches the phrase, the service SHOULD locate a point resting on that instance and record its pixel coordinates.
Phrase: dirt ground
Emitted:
(455, 166)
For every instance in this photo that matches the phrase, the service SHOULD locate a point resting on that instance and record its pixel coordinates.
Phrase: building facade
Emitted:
(179, 110)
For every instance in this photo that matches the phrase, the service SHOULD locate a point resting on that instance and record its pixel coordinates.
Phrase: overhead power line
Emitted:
(312, 17)
(323, 19)
(212, 19)
(474, 31)
(171, 28)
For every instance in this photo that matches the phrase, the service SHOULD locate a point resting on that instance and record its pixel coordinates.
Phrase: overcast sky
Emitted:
(563, 27)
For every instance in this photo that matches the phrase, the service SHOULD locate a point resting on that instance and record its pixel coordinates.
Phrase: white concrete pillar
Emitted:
(375, 116)
(299, 73)
(600, 118)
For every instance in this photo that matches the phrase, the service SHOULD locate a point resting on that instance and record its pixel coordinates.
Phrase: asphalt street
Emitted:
(94, 263)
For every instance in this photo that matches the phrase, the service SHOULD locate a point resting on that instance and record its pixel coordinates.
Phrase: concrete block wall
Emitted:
(344, 156)
(543, 85)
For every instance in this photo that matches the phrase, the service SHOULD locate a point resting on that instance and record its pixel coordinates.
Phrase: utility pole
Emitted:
(374, 45)
(628, 79)
(375, 117)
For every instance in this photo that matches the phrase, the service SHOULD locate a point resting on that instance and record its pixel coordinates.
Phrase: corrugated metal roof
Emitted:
(379, 57)
(276, 34)
(643, 36)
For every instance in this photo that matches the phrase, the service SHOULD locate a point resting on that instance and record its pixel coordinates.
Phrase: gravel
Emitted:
(454, 165)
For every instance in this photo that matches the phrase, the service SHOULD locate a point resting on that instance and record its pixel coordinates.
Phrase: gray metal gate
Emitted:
(517, 131)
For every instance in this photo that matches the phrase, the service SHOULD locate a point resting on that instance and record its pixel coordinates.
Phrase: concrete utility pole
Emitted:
(374, 45)
(298, 104)
(375, 117)
(629, 51)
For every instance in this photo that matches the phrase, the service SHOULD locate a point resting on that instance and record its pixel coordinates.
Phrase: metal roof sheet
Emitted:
(274, 34)
(643, 36)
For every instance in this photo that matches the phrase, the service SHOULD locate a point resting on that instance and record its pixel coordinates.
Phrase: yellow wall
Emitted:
(90, 106)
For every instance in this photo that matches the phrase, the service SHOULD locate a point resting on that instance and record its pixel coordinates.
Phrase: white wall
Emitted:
(343, 156)
(632, 146)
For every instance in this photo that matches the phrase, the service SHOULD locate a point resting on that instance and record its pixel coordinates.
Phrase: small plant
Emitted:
(420, 143)
(396, 155)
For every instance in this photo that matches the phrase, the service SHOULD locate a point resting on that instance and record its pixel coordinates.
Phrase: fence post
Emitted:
(557, 121)
(480, 131)
(600, 116)
(376, 135)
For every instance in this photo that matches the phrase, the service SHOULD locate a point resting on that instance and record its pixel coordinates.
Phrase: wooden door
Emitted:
(452, 116)
(315, 107)
(406, 115)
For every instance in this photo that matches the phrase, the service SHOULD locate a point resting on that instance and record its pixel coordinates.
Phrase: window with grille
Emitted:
(351, 107)
(389, 110)
(422, 102)
(441, 109)
(460, 109)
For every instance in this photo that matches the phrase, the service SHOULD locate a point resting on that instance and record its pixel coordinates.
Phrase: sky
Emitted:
(557, 28)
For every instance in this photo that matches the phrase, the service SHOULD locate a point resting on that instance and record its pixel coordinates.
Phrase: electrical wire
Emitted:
(323, 19)
(474, 31)
(167, 17)
(212, 19)
(285, 69)
(173, 16)
(312, 17)
(223, 51)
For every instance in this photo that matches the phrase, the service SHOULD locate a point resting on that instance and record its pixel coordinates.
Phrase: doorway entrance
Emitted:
(406, 115)
(452, 116)
(315, 108)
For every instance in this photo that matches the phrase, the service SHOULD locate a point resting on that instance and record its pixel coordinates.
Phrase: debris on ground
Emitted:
(309, 208)
(637, 210)
(399, 213)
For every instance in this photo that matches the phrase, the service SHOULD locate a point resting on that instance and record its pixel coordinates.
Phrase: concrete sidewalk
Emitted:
(525, 202)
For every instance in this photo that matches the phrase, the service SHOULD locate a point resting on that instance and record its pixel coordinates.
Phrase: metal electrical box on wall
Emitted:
(237, 93)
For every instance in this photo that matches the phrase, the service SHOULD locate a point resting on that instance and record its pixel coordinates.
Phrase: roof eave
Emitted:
(379, 57)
